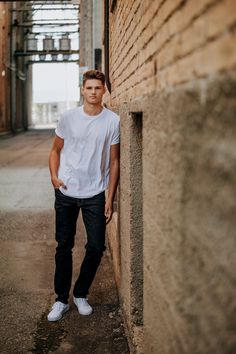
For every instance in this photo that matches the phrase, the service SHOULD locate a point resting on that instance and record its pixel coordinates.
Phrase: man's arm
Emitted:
(54, 162)
(113, 179)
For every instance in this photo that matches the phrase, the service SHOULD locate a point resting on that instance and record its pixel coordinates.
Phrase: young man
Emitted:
(84, 162)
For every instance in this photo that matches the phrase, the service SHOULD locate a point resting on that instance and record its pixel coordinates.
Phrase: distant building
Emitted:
(46, 115)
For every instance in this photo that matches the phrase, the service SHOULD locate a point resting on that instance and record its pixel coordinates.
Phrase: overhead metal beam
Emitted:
(55, 32)
(52, 61)
(46, 24)
(46, 9)
(46, 3)
(53, 19)
(44, 52)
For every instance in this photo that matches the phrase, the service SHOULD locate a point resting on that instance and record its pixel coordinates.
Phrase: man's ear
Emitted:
(82, 90)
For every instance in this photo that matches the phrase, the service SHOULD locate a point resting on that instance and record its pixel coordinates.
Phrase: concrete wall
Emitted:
(173, 76)
(4, 67)
(90, 32)
(86, 33)
(97, 33)
(90, 39)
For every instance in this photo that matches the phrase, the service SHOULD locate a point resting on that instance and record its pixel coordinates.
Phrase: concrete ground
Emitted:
(27, 263)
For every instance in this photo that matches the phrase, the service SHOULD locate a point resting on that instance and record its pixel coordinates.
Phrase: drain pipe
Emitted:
(106, 45)
(13, 67)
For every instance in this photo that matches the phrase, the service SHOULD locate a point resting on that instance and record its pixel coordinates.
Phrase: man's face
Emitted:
(93, 91)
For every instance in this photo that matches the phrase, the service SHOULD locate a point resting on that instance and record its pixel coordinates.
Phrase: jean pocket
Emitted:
(58, 192)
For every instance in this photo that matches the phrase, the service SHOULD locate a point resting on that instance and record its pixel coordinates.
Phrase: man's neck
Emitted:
(92, 110)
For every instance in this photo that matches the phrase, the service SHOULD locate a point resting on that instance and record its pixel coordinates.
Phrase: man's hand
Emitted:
(108, 211)
(57, 183)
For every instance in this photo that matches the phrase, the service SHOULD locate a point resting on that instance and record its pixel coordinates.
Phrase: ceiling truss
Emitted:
(34, 21)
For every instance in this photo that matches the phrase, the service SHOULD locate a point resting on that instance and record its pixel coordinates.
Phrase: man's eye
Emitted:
(96, 88)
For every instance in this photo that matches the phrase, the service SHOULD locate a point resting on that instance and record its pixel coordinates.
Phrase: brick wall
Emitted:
(175, 62)
(155, 44)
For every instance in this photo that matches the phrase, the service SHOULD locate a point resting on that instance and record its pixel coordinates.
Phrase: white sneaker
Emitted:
(58, 309)
(83, 306)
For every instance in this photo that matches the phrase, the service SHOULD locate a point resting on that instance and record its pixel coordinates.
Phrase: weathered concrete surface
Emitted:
(189, 224)
(189, 161)
(27, 263)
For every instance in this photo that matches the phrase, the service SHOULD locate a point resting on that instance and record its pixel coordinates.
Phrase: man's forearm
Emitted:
(113, 179)
(54, 162)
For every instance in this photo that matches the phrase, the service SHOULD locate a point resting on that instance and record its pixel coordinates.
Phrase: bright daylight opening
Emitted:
(55, 70)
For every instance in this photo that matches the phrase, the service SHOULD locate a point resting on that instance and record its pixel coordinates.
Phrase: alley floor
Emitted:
(27, 263)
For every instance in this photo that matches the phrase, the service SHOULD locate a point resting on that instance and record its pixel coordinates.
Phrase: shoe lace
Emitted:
(84, 301)
(58, 306)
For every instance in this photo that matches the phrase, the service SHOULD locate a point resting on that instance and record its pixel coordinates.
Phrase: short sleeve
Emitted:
(60, 129)
(116, 133)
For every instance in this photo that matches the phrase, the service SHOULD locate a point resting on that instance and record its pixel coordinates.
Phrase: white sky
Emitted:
(55, 82)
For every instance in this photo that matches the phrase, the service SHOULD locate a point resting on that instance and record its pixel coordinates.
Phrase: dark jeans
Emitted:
(67, 211)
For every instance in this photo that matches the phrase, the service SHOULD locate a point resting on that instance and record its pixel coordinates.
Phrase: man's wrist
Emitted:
(110, 200)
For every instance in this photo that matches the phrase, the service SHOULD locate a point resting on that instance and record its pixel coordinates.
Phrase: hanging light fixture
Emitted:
(54, 57)
(42, 57)
(64, 43)
(66, 57)
(32, 43)
(48, 43)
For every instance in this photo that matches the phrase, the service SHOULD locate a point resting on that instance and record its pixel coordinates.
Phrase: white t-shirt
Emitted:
(85, 156)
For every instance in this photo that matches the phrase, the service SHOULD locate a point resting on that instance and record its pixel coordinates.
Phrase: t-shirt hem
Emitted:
(81, 196)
